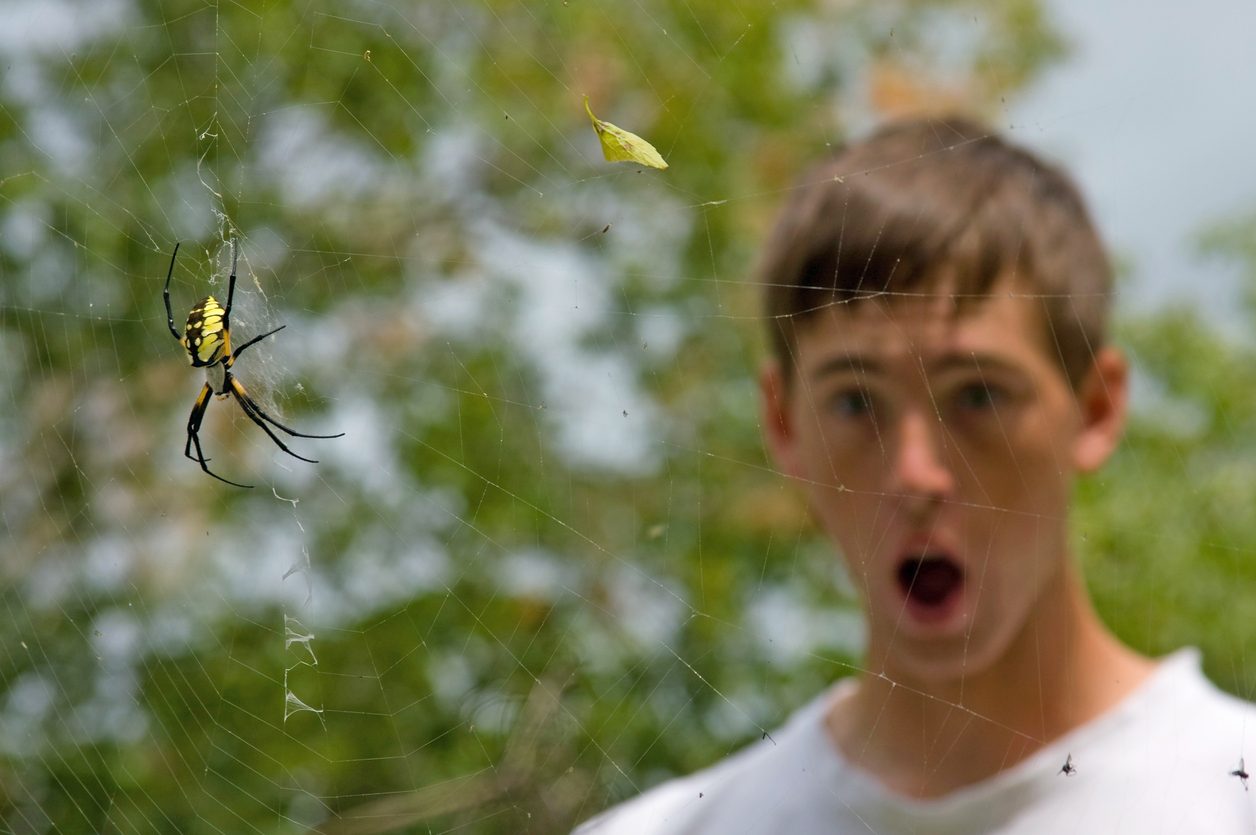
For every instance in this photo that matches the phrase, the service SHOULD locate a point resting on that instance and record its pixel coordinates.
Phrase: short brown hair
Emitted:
(927, 199)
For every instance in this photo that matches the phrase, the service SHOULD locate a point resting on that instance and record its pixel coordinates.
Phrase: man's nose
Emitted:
(919, 465)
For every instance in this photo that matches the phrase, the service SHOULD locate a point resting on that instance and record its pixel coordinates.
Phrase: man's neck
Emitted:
(926, 739)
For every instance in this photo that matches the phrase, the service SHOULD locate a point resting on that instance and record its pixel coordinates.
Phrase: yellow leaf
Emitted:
(618, 145)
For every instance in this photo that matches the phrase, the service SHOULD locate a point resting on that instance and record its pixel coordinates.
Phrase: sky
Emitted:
(1153, 113)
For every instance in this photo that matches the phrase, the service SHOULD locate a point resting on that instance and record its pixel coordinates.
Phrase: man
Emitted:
(938, 302)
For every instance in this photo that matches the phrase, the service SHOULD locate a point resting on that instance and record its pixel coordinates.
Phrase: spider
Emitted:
(1068, 769)
(207, 341)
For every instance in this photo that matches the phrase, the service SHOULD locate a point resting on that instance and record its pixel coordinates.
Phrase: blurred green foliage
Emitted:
(1167, 527)
(570, 630)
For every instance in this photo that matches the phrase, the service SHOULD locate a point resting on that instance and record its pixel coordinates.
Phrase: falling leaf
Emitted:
(618, 145)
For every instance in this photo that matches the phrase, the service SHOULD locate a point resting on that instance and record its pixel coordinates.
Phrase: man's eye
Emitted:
(851, 403)
(978, 396)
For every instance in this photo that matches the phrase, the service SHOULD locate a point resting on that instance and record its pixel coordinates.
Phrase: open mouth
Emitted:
(930, 580)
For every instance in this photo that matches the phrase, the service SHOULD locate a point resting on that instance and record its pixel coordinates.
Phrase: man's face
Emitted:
(937, 450)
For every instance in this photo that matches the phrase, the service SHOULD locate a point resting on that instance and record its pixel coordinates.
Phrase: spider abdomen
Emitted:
(203, 335)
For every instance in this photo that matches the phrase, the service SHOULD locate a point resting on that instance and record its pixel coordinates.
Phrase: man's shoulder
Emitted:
(745, 784)
(1172, 756)
(1187, 701)
(664, 808)
(745, 779)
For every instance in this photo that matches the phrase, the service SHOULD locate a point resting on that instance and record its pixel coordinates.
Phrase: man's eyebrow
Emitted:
(848, 364)
(971, 359)
(857, 363)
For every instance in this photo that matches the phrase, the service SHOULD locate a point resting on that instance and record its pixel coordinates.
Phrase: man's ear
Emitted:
(1102, 402)
(779, 431)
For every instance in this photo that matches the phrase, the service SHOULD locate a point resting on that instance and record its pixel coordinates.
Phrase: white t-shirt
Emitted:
(1159, 762)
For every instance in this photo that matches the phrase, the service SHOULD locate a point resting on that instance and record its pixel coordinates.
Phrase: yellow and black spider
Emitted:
(207, 340)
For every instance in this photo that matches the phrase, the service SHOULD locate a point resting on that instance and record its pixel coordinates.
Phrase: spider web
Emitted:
(548, 566)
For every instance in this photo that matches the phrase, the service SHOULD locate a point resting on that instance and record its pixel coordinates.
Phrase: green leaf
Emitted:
(619, 145)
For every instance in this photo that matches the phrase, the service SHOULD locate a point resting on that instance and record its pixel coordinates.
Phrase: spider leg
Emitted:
(253, 403)
(165, 295)
(243, 397)
(226, 311)
(231, 360)
(194, 438)
(194, 422)
(255, 414)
